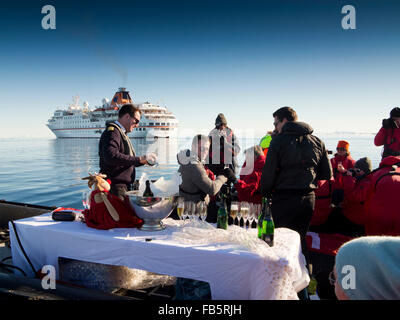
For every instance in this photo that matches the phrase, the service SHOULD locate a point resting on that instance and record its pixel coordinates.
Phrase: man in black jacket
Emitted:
(296, 160)
(117, 156)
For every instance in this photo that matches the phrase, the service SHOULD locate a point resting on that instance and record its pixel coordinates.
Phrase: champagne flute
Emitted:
(191, 210)
(252, 213)
(180, 207)
(257, 212)
(244, 211)
(246, 214)
(234, 210)
(185, 213)
(202, 210)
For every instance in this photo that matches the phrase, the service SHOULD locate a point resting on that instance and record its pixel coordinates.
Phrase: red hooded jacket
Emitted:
(383, 211)
(356, 194)
(390, 137)
(248, 185)
(322, 208)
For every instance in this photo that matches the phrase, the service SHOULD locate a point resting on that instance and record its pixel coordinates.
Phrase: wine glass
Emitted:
(246, 214)
(202, 210)
(234, 210)
(257, 211)
(244, 211)
(185, 213)
(191, 210)
(252, 213)
(86, 199)
(180, 207)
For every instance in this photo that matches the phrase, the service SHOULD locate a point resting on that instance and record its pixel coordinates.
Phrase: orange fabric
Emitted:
(265, 152)
(343, 144)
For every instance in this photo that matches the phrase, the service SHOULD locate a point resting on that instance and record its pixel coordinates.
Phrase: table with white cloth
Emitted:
(235, 269)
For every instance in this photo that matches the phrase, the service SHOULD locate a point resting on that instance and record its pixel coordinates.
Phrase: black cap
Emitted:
(364, 164)
(395, 113)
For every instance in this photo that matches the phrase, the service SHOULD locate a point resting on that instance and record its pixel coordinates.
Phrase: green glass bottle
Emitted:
(261, 218)
(268, 226)
(222, 219)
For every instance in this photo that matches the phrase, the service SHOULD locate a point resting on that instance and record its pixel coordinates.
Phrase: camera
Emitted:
(354, 171)
(389, 123)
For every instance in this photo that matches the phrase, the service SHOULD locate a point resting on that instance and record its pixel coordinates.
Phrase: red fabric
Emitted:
(383, 211)
(265, 152)
(248, 185)
(322, 207)
(355, 198)
(98, 216)
(210, 174)
(347, 162)
(384, 136)
(325, 243)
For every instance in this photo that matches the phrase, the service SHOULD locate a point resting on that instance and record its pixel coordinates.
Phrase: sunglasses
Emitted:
(341, 149)
(136, 120)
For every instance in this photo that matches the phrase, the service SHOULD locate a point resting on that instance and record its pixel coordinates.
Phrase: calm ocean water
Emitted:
(49, 171)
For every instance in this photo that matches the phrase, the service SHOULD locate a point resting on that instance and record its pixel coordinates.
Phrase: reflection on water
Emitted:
(49, 171)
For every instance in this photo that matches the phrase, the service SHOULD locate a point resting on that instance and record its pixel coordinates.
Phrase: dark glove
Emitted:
(228, 172)
(388, 123)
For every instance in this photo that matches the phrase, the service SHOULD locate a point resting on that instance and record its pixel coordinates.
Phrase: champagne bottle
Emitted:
(222, 216)
(261, 218)
(268, 226)
(147, 192)
(222, 219)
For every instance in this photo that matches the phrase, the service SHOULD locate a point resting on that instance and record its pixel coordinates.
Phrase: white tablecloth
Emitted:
(232, 271)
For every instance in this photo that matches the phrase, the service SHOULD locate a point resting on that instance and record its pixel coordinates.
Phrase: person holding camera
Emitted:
(389, 135)
(356, 186)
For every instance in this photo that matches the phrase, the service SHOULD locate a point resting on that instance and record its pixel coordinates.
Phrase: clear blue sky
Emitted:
(199, 58)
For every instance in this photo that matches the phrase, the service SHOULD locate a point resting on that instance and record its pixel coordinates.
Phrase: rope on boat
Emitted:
(22, 248)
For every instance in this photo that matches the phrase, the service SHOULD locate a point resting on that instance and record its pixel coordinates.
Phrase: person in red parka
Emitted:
(356, 186)
(342, 157)
(383, 211)
(389, 135)
(248, 184)
(323, 207)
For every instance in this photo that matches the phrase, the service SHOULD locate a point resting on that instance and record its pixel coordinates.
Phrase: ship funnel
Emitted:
(120, 98)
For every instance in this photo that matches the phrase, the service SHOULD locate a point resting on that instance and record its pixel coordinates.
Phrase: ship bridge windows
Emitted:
(151, 124)
(163, 123)
(157, 123)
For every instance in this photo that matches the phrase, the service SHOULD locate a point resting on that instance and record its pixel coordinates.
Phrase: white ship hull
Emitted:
(96, 132)
(78, 122)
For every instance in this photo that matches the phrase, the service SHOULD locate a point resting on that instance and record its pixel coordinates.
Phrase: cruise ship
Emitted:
(82, 122)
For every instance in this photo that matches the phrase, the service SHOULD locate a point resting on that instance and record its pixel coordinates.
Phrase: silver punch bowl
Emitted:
(152, 210)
